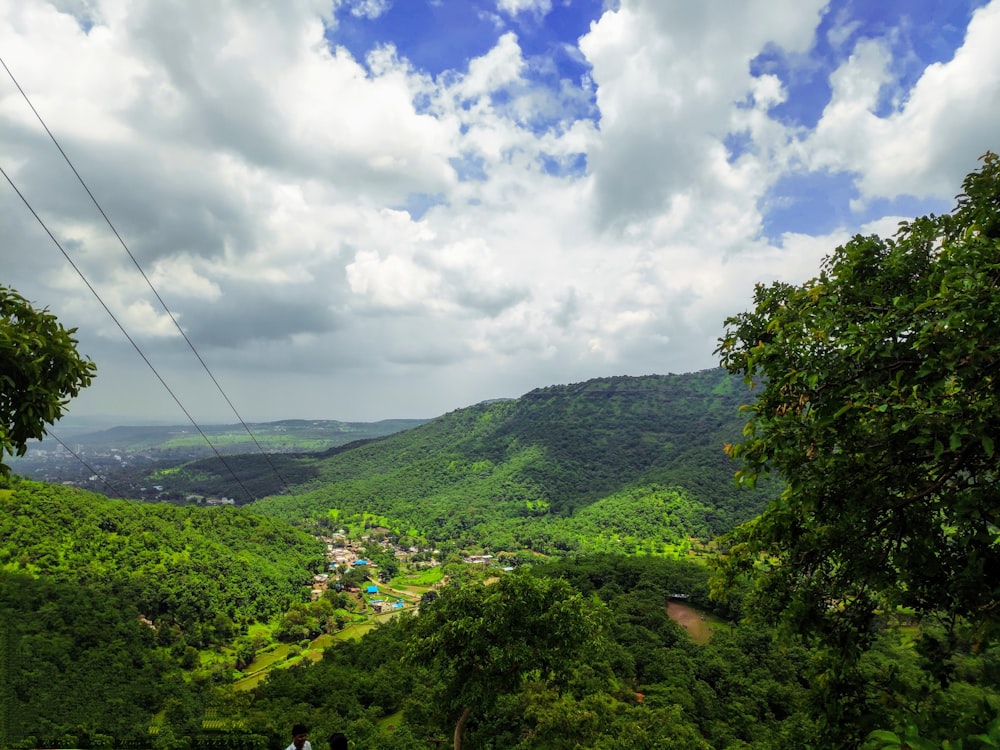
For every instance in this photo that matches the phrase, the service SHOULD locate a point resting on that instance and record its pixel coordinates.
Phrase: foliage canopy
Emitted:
(181, 566)
(484, 641)
(40, 370)
(880, 407)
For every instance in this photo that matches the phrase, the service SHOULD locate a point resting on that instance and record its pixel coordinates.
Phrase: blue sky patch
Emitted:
(571, 166)
(469, 168)
(737, 144)
(818, 203)
(555, 39)
(418, 204)
(917, 33)
(808, 203)
(806, 85)
(435, 35)
(440, 36)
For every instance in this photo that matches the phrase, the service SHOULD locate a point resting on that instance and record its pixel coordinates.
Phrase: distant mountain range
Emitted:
(281, 436)
(633, 462)
(120, 454)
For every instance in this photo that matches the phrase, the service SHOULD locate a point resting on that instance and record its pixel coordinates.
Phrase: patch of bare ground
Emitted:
(695, 623)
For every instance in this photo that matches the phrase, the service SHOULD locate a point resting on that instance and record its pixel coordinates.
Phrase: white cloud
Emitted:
(666, 90)
(948, 119)
(370, 9)
(856, 86)
(842, 29)
(500, 67)
(513, 7)
(767, 91)
(392, 282)
(261, 175)
(178, 276)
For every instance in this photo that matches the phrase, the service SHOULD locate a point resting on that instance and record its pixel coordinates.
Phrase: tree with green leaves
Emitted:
(878, 402)
(40, 371)
(484, 641)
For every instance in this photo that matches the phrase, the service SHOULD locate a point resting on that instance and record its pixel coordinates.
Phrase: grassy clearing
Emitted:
(277, 657)
(323, 641)
(426, 577)
(390, 722)
(249, 683)
(269, 658)
(211, 657)
(394, 591)
(313, 655)
(353, 632)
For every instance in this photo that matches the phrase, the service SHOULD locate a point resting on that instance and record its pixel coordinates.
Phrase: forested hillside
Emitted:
(105, 603)
(576, 467)
(496, 661)
(79, 665)
(193, 571)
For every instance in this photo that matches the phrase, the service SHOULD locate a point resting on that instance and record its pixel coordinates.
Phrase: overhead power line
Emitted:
(124, 332)
(90, 468)
(149, 283)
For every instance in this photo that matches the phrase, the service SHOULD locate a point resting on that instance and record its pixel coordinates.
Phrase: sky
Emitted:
(371, 209)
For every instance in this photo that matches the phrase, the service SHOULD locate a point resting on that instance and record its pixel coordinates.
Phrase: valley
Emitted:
(521, 564)
(122, 461)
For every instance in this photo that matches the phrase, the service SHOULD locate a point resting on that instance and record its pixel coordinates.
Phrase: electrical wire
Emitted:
(90, 468)
(125, 333)
(149, 283)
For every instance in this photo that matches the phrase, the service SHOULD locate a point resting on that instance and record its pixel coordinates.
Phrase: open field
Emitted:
(699, 625)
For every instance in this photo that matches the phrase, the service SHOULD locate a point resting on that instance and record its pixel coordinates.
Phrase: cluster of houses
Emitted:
(343, 554)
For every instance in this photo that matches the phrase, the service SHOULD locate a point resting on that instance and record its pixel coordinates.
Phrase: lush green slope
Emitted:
(79, 667)
(103, 601)
(565, 467)
(182, 567)
(642, 683)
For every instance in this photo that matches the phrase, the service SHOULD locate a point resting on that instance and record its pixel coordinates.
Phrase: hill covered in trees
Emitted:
(588, 466)
(192, 571)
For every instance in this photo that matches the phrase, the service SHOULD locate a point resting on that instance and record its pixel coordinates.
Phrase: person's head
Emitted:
(338, 741)
(300, 733)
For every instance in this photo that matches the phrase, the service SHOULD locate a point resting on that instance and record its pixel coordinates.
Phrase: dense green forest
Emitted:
(78, 665)
(630, 678)
(108, 607)
(114, 613)
(192, 570)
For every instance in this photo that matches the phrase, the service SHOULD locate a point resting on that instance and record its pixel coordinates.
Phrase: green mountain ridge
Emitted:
(555, 470)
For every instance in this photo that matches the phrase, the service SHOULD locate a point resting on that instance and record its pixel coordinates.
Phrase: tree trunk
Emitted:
(460, 727)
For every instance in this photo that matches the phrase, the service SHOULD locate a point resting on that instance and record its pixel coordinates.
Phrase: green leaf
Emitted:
(884, 735)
